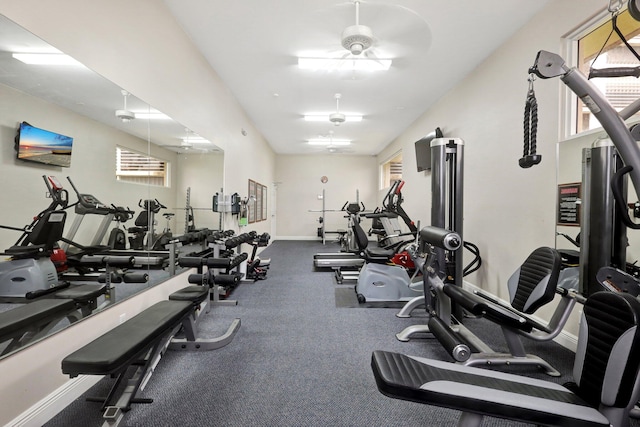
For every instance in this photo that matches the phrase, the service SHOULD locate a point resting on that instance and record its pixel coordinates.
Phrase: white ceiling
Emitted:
(253, 46)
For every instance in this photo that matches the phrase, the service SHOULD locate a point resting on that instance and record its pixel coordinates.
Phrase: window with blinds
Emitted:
(391, 170)
(140, 168)
(602, 49)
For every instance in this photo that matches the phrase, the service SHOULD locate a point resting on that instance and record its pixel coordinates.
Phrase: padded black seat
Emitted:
(29, 315)
(195, 294)
(81, 293)
(32, 251)
(118, 348)
(605, 373)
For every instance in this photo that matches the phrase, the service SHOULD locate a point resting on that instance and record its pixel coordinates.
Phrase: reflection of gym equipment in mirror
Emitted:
(101, 93)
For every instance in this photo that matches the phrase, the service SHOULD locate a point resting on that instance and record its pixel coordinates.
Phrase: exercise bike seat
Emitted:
(378, 255)
(31, 251)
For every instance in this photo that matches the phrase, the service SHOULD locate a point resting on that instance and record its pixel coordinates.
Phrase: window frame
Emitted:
(145, 177)
(570, 51)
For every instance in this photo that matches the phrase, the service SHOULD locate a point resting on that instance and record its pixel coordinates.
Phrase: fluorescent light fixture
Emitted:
(325, 118)
(195, 140)
(344, 64)
(152, 116)
(46, 59)
(325, 141)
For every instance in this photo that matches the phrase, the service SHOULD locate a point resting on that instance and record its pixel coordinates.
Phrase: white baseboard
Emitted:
(565, 339)
(47, 408)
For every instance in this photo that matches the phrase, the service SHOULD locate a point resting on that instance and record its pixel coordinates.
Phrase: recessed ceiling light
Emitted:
(152, 116)
(344, 64)
(325, 141)
(46, 59)
(325, 117)
(195, 140)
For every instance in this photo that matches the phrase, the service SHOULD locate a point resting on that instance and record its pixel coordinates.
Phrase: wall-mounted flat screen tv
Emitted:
(423, 150)
(38, 145)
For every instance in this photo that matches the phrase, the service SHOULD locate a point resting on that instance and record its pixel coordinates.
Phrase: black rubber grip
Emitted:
(218, 262)
(441, 238)
(449, 339)
(238, 260)
(113, 278)
(195, 279)
(190, 261)
(135, 277)
(615, 72)
(227, 279)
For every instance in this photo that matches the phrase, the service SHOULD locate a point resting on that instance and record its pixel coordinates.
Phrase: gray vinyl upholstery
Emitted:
(534, 283)
(606, 368)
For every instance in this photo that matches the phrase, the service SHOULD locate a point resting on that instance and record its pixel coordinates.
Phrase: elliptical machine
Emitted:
(31, 271)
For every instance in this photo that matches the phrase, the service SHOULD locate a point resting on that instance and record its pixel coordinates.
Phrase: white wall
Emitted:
(508, 211)
(299, 188)
(204, 174)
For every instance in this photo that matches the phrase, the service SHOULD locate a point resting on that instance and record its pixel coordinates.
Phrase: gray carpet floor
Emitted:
(297, 360)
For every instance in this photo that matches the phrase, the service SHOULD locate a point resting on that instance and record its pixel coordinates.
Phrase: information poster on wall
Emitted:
(569, 204)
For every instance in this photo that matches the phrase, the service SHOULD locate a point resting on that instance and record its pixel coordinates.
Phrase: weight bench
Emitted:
(187, 338)
(129, 352)
(605, 372)
(29, 322)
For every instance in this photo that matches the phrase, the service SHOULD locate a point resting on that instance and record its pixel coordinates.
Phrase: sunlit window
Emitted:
(601, 49)
(140, 168)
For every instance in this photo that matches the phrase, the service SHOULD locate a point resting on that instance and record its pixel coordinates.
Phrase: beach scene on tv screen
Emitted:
(45, 147)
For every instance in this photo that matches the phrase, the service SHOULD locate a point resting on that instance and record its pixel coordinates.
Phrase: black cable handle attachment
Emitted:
(529, 155)
(617, 186)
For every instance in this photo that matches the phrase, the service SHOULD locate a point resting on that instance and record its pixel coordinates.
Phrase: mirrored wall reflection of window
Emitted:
(78, 103)
(391, 170)
(140, 168)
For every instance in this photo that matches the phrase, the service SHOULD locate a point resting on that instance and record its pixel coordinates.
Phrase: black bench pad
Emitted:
(118, 348)
(481, 391)
(34, 313)
(196, 294)
(81, 293)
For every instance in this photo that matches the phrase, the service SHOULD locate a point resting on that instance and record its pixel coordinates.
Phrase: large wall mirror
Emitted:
(73, 101)
(570, 165)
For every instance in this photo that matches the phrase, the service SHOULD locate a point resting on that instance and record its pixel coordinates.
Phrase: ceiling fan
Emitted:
(192, 143)
(125, 115)
(333, 146)
(357, 38)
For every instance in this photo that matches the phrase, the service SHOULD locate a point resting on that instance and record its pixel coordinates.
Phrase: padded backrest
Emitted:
(142, 220)
(608, 354)
(534, 283)
(362, 241)
(48, 230)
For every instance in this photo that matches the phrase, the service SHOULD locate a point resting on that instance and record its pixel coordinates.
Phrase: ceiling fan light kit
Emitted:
(125, 115)
(357, 38)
